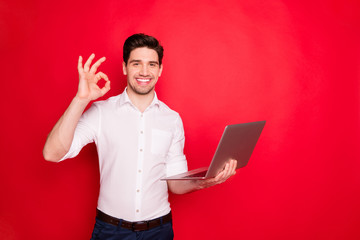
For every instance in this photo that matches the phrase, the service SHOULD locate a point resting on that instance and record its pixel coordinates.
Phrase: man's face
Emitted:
(142, 70)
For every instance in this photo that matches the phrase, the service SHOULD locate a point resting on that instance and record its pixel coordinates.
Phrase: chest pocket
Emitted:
(160, 141)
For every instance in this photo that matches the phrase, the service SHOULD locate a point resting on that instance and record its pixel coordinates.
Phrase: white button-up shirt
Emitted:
(135, 150)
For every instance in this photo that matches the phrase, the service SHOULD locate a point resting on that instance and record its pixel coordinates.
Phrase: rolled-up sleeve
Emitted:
(85, 132)
(176, 161)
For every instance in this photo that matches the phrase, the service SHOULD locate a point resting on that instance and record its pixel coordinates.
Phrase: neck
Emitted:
(140, 101)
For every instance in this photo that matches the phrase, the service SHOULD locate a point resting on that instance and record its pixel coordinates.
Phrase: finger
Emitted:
(88, 62)
(225, 173)
(231, 165)
(220, 176)
(95, 66)
(228, 170)
(80, 68)
(101, 75)
(234, 165)
(80, 64)
(106, 88)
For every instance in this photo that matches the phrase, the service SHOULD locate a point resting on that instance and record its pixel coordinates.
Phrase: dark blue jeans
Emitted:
(103, 230)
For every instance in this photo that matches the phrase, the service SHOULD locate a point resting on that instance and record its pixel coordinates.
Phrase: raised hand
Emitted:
(88, 79)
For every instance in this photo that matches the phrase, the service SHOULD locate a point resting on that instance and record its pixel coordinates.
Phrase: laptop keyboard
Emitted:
(199, 174)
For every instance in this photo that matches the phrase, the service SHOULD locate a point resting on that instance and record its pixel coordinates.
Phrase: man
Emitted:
(139, 140)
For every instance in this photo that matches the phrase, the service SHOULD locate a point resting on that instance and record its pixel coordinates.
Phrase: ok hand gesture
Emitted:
(88, 79)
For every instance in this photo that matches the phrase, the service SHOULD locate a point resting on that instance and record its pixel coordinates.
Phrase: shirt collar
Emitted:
(124, 99)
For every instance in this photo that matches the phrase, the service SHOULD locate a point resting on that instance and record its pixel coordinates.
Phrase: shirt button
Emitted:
(141, 132)
(138, 190)
(139, 171)
(137, 210)
(141, 150)
(141, 115)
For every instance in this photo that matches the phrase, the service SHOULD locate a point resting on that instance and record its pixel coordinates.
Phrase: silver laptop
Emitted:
(237, 142)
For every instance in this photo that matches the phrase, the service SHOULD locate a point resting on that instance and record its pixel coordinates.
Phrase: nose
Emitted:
(144, 71)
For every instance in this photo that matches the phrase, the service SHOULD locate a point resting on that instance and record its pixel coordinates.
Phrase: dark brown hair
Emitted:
(142, 40)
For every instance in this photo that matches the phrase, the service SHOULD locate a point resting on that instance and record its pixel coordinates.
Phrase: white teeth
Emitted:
(142, 80)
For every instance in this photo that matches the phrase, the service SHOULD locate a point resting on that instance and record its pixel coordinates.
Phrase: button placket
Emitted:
(141, 139)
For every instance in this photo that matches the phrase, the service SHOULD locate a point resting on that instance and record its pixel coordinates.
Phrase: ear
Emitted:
(124, 68)
(160, 70)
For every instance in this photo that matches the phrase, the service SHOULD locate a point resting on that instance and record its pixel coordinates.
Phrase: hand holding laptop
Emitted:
(181, 186)
(228, 171)
(237, 142)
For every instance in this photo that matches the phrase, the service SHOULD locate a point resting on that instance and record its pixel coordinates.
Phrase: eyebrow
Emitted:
(137, 61)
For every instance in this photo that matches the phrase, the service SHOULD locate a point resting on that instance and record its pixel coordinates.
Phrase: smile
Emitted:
(143, 79)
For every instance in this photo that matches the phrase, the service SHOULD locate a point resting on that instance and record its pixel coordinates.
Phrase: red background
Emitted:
(292, 63)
